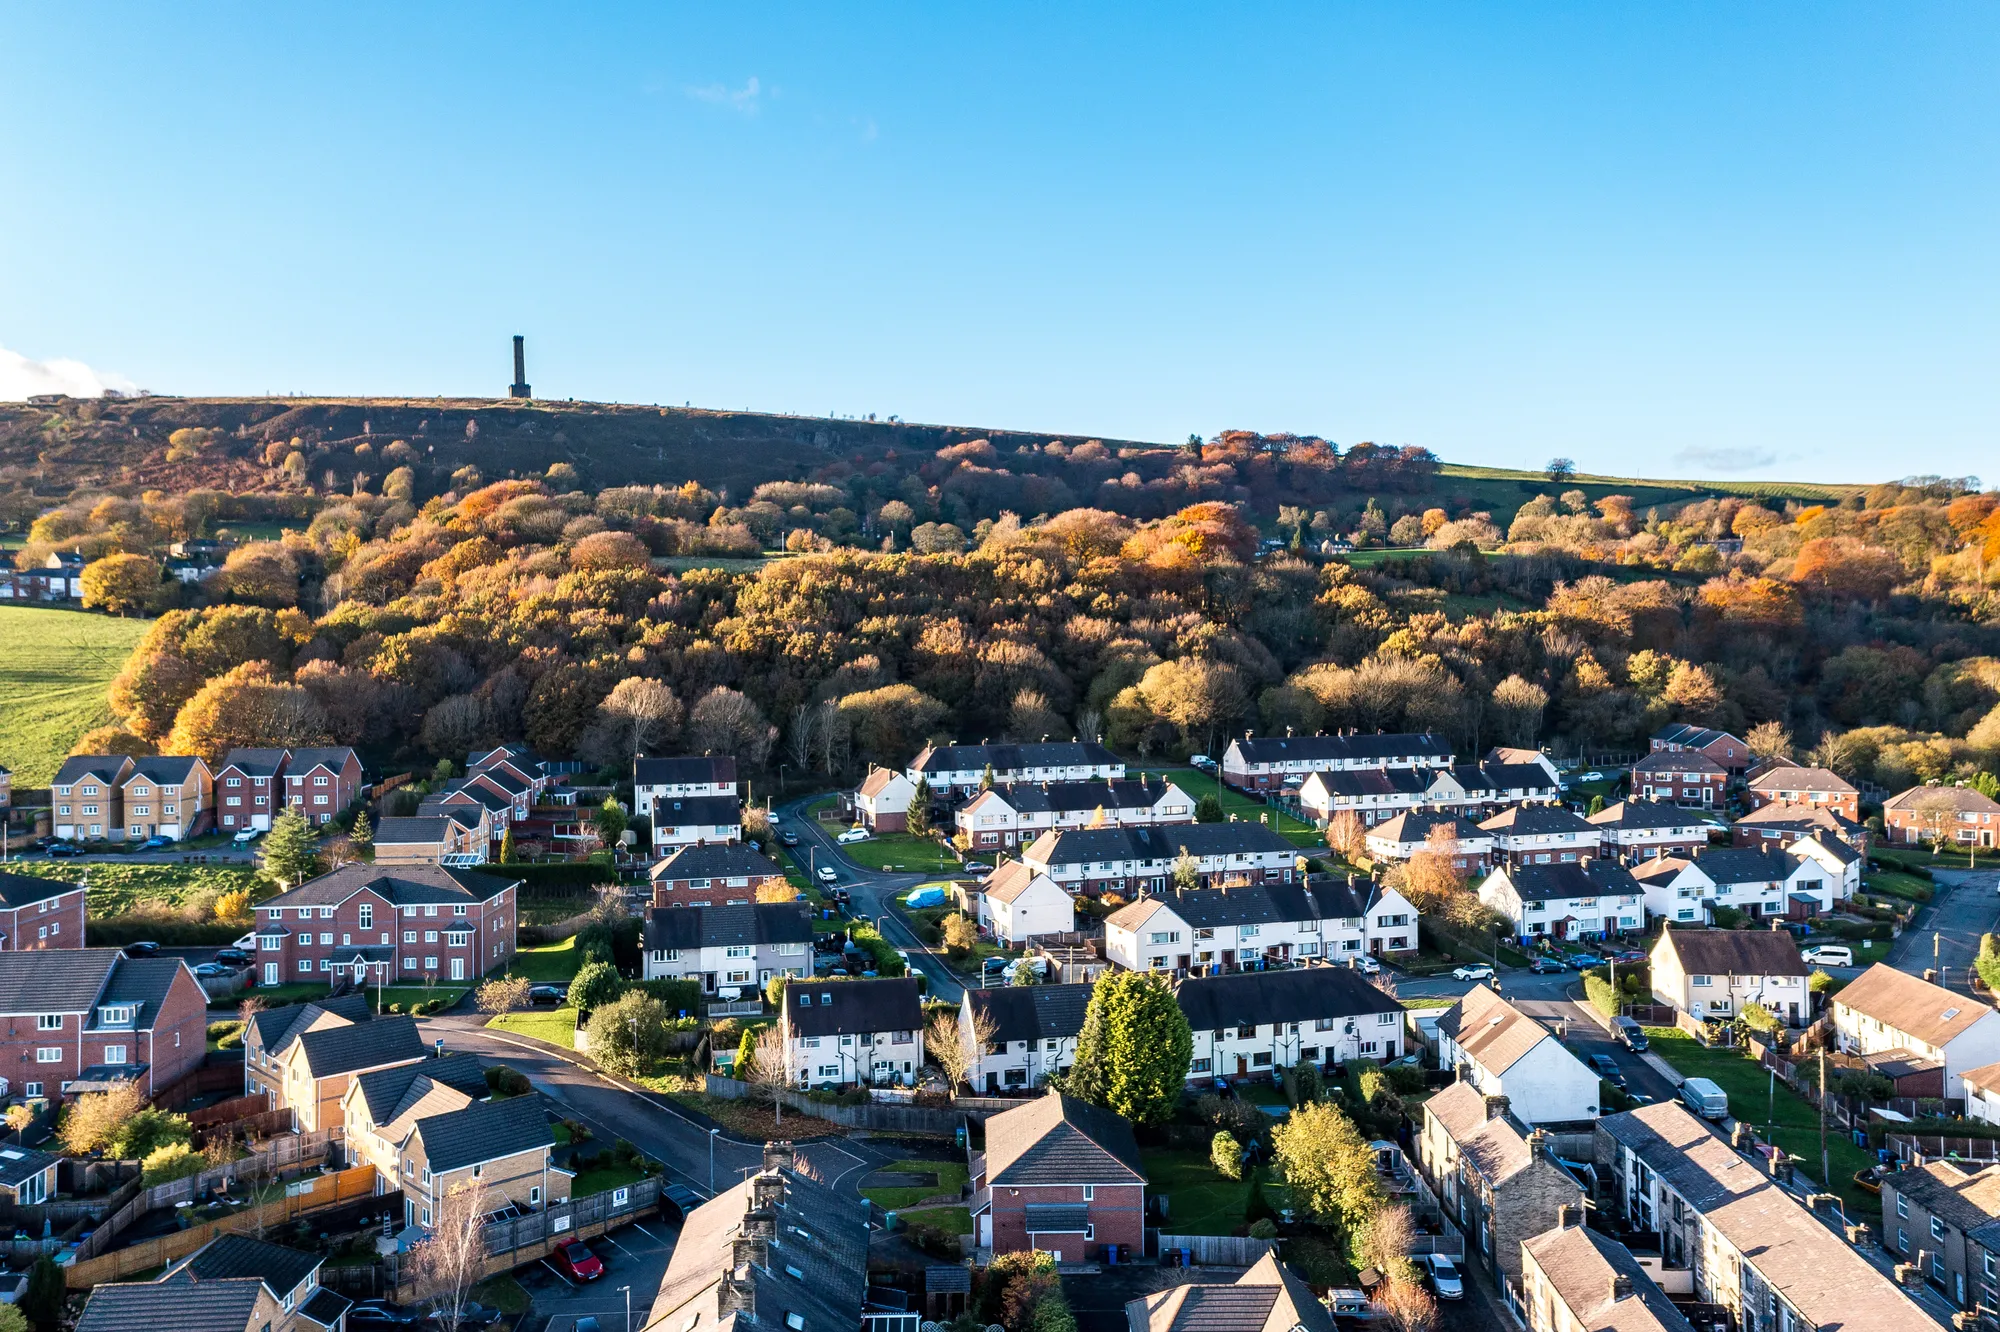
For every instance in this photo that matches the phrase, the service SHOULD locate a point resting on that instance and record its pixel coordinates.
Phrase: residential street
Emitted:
(1965, 907)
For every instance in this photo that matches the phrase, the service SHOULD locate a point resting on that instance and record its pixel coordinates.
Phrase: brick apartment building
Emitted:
(320, 783)
(407, 924)
(1061, 1176)
(1681, 777)
(39, 913)
(94, 1014)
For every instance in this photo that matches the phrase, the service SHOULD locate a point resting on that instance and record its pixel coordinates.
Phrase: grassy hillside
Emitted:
(1503, 490)
(54, 667)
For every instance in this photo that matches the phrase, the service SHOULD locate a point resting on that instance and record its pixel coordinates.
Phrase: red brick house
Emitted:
(718, 874)
(1061, 1176)
(1733, 754)
(39, 913)
(406, 924)
(1779, 825)
(1789, 783)
(1685, 777)
(96, 1016)
(247, 789)
(1953, 816)
(320, 783)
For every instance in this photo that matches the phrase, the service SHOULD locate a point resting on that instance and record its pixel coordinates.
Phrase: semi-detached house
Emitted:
(1635, 830)
(40, 913)
(1685, 777)
(1017, 813)
(1093, 861)
(167, 795)
(1018, 903)
(848, 1033)
(1789, 783)
(1761, 884)
(321, 782)
(956, 771)
(689, 800)
(1540, 835)
(1714, 973)
(1955, 816)
(1411, 832)
(729, 948)
(1247, 1024)
(249, 789)
(1232, 928)
(1264, 763)
(403, 924)
(1595, 897)
(1884, 1012)
(86, 794)
(1031, 1031)
(1061, 1176)
(717, 874)
(95, 1016)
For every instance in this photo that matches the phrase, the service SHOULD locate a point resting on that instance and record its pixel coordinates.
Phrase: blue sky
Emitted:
(1690, 240)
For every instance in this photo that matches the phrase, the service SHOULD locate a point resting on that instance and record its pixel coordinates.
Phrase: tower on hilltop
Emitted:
(519, 388)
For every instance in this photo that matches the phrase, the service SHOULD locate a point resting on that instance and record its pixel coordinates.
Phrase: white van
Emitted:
(1705, 1098)
(1829, 955)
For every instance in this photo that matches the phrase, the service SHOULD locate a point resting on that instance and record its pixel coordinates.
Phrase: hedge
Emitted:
(1602, 997)
(679, 995)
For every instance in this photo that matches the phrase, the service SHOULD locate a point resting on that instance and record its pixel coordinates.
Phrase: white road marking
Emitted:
(559, 1276)
(648, 1234)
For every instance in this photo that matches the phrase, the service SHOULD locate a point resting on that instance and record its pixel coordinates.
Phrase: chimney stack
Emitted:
(1538, 1145)
(747, 1252)
(519, 388)
(777, 1155)
(1621, 1288)
(1568, 1217)
(736, 1294)
(767, 1190)
(1496, 1106)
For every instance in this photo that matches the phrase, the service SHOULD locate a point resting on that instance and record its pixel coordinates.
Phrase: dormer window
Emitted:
(115, 1015)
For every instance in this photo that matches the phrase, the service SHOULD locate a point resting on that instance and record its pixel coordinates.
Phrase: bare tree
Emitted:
(446, 1266)
(502, 994)
(767, 1068)
(801, 743)
(1387, 1241)
(1347, 834)
(1405, 1306)
(645, 713)
(952, 1053)
(1937, 815)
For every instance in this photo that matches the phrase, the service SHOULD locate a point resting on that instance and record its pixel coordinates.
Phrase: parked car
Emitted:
(826, 874)
(1583, 960)
(213, 969)
(1542, 966)
(1829, 955)
(587, 1323)
(789, 838)
(548, 994)
(1203, 762)
(143, 948)
(156, 844)
(1479, 972)
(1607, 1068)
(1364, 964)
(1628, 956)
(1629, 1034)
(247, 836)
(235, 957)
(1592, 776)
(853, 835)
(679, 1200)
(575, 1261)
(1442, 1273)
(62, 850)
(381, 1314)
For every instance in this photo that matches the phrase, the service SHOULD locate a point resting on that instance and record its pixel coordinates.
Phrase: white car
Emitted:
(1443, 1273)
(1480, 972)
(1592, 776)
(1364, 964)
(1829, 955)
(826, 875)
(247, 836)
(852, 835)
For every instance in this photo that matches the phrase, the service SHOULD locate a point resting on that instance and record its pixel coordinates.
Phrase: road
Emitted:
(1948, 928)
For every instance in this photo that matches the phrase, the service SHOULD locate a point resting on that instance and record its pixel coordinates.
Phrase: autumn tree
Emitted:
(955, 1055)
(113, 740)
(1518, 706)
(1769, 740)
(1195, 694)
(262, 573)
(724, 721)
(502, 994)
(1430, 878)
(123, 584)
(959, 935)
(1328, 1166)
(90, 1121)
(246, 708)
(1347, 834)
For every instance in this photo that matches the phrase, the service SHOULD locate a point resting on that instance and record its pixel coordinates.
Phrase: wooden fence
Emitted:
(525, 1239)
(219, 1071)
(882, 1118)
(224, 1112)
(1219, 1250)
(314, 1194)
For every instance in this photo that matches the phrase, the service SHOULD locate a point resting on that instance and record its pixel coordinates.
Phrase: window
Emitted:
(305, 965)
(458, 911)
(367, 916)
(114, 1054)
(33, 1089)
(1902, 1206)
(534, 1195)
(48, 1054)
(114, 1014)
(1246, 1033)
(1937, 1228)
(326, 939)
(1701, 982)
(49, 1022)
(431, 909)
(430, 936)
(1201, 1066)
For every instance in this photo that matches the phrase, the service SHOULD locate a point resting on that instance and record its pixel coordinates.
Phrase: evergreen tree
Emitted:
(1187, 871)
(291, 852)
(919, 821)
(1326, 1161)
(610, 822)
(43, 1300)
(1208, 809)
(363, 836)
(1133, 1054)
(596, 983)
(507, 853)
(1596, 805)
(986, 778)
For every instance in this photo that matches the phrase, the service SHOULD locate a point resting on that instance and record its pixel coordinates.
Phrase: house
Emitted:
(1884, 1010)
(1501, 1051)
(1268, 1295)
(1018, 903)
(320, 783)
(1373, 794)
(1062, 1176)
(1540, 835)
(427, 1128)
(882, 801)
(94, 1014)
(1094, 861)
(405, 924)
(1014, 815)
(1745, 1241)
(85, 791)
(854, 1033)
(1490, 785)
(735, 948)
(312, 1069)
(1592, 898)
(6, 788)
(688, 775)
(1033, 1031)
(1249, 1023)
(780, 1250)
(1761, 884)
(1779, 825)
(1944, 1216)
(270, 1030)
(167, 796)
(956, 771)
(231, 1284)
(514, 793)
(1575, 1277)
(430, 839)
(1789, 783)
(1493, 1174)
(1724, 748)
(716, 874)
(695, 821)
(1981, 1089)
(1513, 756)
(482, 818)
(1634, 830)
(1715, 973)
(40, 913)
(1837, 860)
(1407, 833)
(1255, 925)
(27, 1177)
(248, 787)
(517, 760)
(1264, 763)
(1955, 816)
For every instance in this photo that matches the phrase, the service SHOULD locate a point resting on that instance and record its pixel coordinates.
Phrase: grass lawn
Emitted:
(603, 1180)
(557, 1026)
(1427, 1001)
(1200, 1202)
(1198, 784)
(945, 1220)
(900, 851)
(951, 1176)
(1895, 883)
(302, 991)
(116, 889)
(55, 666)
(1797, 1123)
(554, 963)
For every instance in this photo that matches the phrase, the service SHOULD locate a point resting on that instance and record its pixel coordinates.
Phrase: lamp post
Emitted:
(711, 1160)
(628, 1307)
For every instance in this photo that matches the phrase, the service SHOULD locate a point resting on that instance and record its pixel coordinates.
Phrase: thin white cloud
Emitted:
(744, 99)
(1726, 460)
(21, 378)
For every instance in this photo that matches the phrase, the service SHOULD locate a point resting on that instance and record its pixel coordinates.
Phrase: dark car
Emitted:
(548, 994)
(470, 1314)
(1543, 965)
(234, 957)
(1607, 1068)
(382, 1314)
(789, 839)
(143, 948)
(1628, 1034)
(578, 1263)
(157, 844)
(678, 1200)
(59, 850)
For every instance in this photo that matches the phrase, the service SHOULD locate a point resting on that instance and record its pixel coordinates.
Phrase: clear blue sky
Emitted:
(1678, 239)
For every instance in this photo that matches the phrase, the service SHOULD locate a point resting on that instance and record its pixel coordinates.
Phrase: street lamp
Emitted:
(711, 1160)
(628, 1307)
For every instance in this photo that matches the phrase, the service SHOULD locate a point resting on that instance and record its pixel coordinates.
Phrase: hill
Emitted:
(54, 668)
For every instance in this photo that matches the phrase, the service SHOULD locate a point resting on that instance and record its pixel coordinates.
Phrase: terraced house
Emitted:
(249, 789)
(1635, 830)
(1792, 784)
(1215, 930)
(1094, 861)
(732, 949)
(320, 783)
(1501, 1051)
(1033, 1033)
(86, 792)
(40, 913)
(1596, 897)
(955, 772)
(95, 1016)
(167, 796)
(1016, 813)
(1540, 835)
(1250, 1023)
(1268, 763)
(866, 1032)
(403, 924)
(1494, 1175)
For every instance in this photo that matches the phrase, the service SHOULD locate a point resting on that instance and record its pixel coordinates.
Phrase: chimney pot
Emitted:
(777, 1155)
(1621, 1287)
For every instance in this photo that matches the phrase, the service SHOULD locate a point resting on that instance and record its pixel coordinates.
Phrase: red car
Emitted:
(578, 1263)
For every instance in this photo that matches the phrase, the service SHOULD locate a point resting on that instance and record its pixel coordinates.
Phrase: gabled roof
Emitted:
(1343, 748)
(881, 780)
(1032, 1012)
(142, 982)
(1525, 820)
(1414, 825)
(686, 770)
(497, 779)
(1789, 815)
(1829, 845)
(1060, 1140)
(725, 926)
(386, 1091)
(1581, 1265)
(1266, 998)
(1077, 797)
(325, 1306)
(105, 767)
(333, 758)
(1597, 877)
(1012, 879)
(400, 885)
(1793, 777)
(1493, 1033)
(484, 1131)
(1494, 1145)
(1631, 815)
(275, 1027)
(710, 810)
(1734, 952)
(163, 769)
(19, 890)
(1961, 799)
(1909, 1004)
(846, 1008)
(1078, 845)
(1357, 782)
(415, 832)
(254, 762)
(1268, 1298)
(66, 980)
(1014, 758)
(1678, 760)
(172, 1306)
(334, 1050)
(1320, 898)
(1731, 864)
(1698, 737)
(717, 860)
(228, 1257)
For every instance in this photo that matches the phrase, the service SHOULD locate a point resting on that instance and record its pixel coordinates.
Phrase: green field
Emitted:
(54, 668)
(119, 888)
(951, 1177)
(554, 964)
(1200, 1201)
(1198, 784)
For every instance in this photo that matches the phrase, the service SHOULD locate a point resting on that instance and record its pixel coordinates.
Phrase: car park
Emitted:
(1829, 955)
(1442, 1274)
(1607, 1068)
(575, 1261)
(1629, 1034)
(1480, 972)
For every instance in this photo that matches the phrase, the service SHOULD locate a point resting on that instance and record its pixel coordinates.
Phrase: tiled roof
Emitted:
(1636, 814)
(723, 926)
(1268, 1298)
(1414, 825)
(1007, 883)
(66, 980)
(142, 982)
(1909, 1004)
(847, 1008)
(1493, 1032)
(325, 1306)
(414, 832)
(401, 885)
(1522, 820)
(385, 1091)
(1962, 1197)
(1262, 998)
(1734, 952)
(1744, 865)
(687, 770)
(164, 769)
(706, 811)
(1788, 815)
(1013, 758)
(172, 1306)
(880, 780)
(333, 759)
(104, 767)
(254, 762)
(1962, 799)
(1357, 782)
(1792, 777)
(227, 1257)
(717, 860)
(1582, 1266)
(1698, 737)
(1494, 1145)
(1321, 898)
(276, 1026)
(1077, 797)
(1032, 1012)
(1343, 748)
(1060, 1140)
(335, 1050)
(19, 890)
(1597, 878)
(1161, 844)
(1678, 760)
(484, 1131)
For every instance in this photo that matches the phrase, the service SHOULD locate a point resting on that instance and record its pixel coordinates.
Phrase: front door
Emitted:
(1242, 1067)
(270, 973)
(457, 968)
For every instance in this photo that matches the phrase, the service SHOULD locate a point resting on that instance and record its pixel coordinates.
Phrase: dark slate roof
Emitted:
(325, 1306)
(104, 767)
(1074, 797)
(722, 926)
(1741, 865)
(227, 1257)
(717, 860)
(823, 1237)
(714, 810)
(414, 832)
(1414, 825)
(274, 1026)
(1523, 820)
(1508, 776)
(163, 769)
(688, 770)
(1261, 998)
(388, 1040)
(19, 890)
(846, 1008)
(1060, 1140)
(333, 759)
(20, 1164)
(466, 809)
(1252, 904)
(1635, 814)
(1597, 878)
(1681, 733)
(1678, 760)
(1072, 846)
(484, 1131)
(385, 1089)
(1032, 1012)
(142, 982)
(1734, 952)
(254, 762)
(1343, 748)
(1014, 758)
(172, 1306)
(402, 885)
(498, 779)
(1374, 781)
(56, 980)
